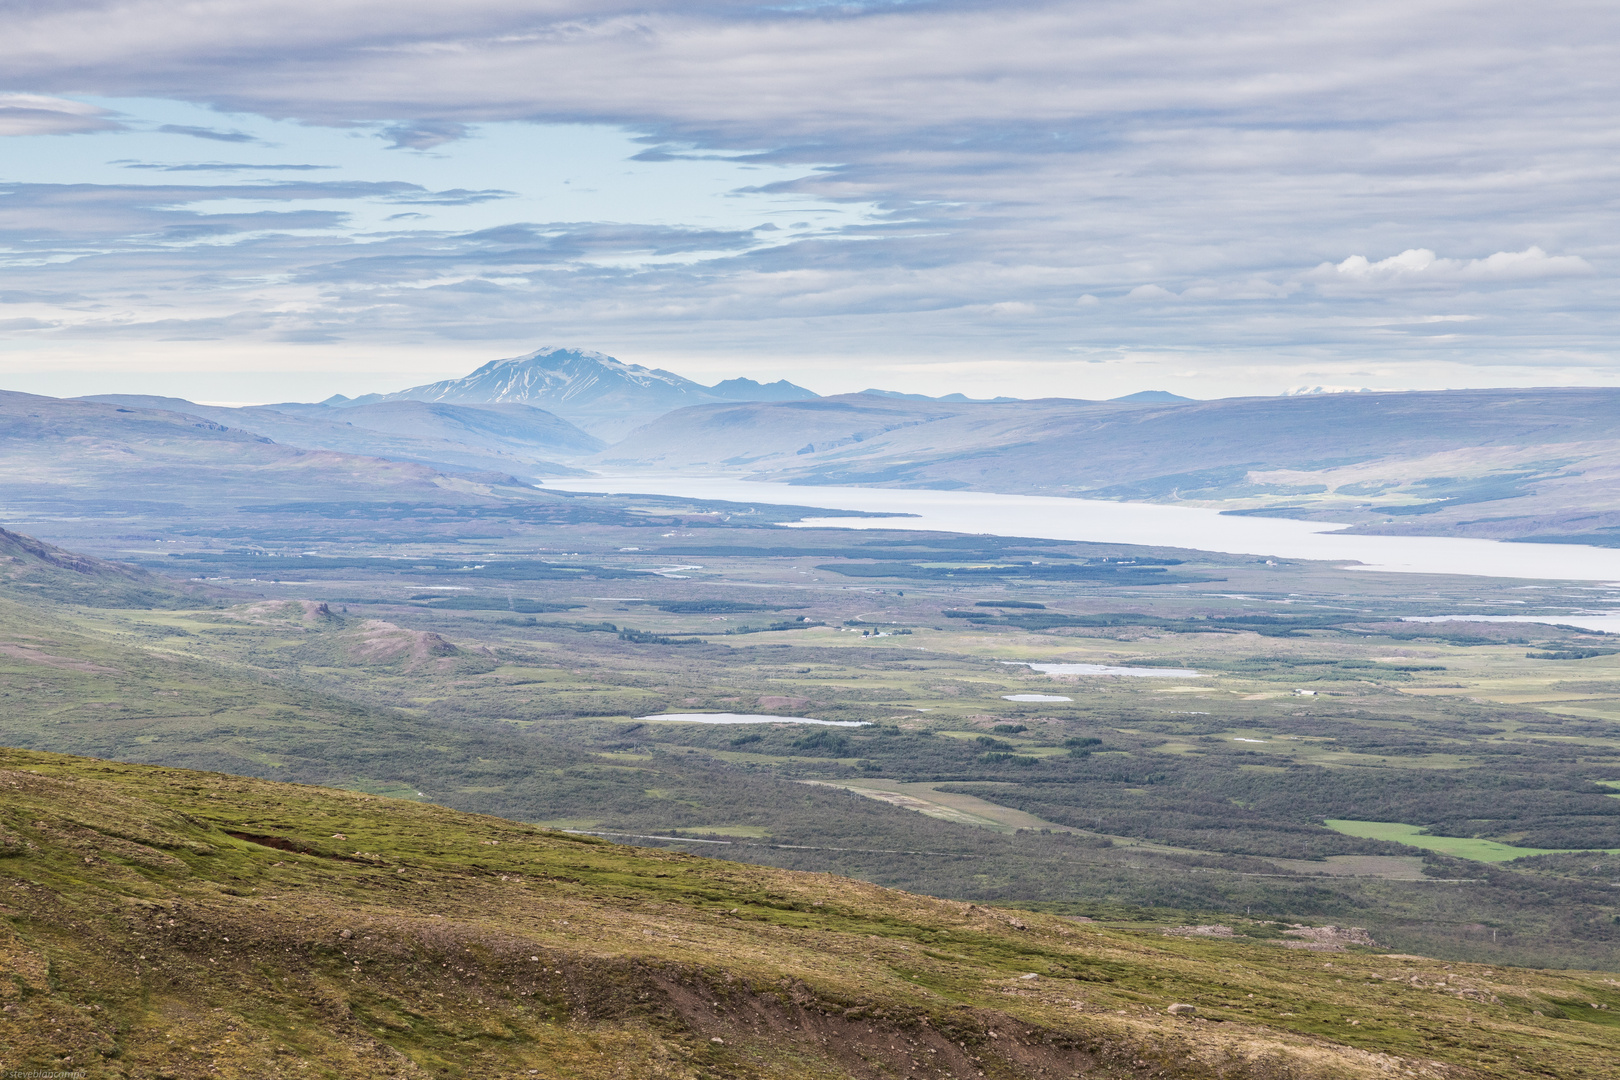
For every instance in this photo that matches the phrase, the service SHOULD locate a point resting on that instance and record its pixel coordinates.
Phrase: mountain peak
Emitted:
(750, 390)
(549, 376)
(1150, 396)
(600, 393)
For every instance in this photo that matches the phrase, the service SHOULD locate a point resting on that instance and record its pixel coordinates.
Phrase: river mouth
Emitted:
(746, 718)
(1052, 517)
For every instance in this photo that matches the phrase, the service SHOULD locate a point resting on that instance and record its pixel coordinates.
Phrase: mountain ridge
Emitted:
(454, 438)
(744, 389)
(55, 573)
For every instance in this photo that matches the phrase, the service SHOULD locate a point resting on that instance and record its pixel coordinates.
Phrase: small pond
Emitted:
(745, 718)
(1105, 669)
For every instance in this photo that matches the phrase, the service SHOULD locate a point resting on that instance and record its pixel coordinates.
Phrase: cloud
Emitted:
(449, 197)
(423, 134)
(1416, 265)
(1012, 309)
(1532, 262)
(1255, 288)
(1037, 149)
(1151, 293)
(213, 134)
(221, 166)
(121, 215)
(38, 114)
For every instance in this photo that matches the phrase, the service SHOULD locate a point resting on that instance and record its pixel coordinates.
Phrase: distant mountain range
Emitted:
(1542, 463)
(955, 399)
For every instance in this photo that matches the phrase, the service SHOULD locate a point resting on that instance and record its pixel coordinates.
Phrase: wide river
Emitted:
(1055, 518)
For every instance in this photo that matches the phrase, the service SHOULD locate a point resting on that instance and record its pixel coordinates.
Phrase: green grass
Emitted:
(1459, 847)
(392, 789)
(168, 922)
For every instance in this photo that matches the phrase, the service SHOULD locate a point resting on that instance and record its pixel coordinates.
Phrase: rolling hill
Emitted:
(32, 567)
(62, 457)
(165, 922)
(481, 438)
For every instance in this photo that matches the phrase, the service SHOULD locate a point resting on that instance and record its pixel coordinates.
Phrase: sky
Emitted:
(262, 200)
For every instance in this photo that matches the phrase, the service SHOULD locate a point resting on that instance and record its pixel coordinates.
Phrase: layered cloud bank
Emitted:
(1020, 197)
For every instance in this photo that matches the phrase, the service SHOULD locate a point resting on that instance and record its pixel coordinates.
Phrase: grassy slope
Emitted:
(35, 569)
(145, 933)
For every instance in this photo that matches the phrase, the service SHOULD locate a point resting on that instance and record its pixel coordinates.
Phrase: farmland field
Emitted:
(1463, 847)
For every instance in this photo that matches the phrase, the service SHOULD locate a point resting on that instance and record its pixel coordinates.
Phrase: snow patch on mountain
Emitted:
(555, 378)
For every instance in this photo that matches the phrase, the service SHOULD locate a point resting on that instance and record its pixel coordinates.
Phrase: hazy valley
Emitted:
(1243, 784)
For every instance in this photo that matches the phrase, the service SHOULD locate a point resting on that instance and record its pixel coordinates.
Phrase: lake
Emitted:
(746, 718)
(1104, 669)
(1099, 521)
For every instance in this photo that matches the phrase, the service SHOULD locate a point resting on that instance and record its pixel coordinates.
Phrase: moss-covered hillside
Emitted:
(168, 923)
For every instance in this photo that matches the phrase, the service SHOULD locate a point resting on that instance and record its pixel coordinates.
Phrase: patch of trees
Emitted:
(823, 743)
(1570, 654)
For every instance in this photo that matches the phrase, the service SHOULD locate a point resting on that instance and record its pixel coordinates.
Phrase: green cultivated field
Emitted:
(1458, 846)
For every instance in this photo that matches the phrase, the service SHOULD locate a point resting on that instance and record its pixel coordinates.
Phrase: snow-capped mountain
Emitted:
(599, 393)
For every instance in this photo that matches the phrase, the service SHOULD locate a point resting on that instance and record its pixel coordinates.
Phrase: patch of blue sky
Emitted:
(519, 172)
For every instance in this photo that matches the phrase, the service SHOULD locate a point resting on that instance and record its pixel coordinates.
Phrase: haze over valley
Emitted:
(1529, 464)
